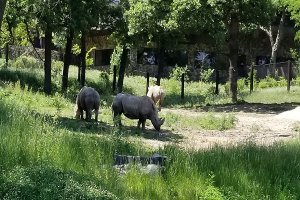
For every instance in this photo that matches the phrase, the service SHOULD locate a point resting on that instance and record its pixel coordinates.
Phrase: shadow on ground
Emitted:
(93, 127)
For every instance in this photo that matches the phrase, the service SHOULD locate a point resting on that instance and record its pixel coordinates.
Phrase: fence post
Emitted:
(147, 83)
(6, 54)
(217, 82)
(251, 78)
(114, 79)
(289, 76)
(182, 86)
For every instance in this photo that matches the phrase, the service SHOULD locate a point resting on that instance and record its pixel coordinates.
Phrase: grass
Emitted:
(277, 95)
(47, 154)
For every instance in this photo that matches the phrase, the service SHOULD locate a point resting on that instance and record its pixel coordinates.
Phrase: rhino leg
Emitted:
(88, 115)
(117, 119)
(141, 121)
(96, 114)
(81, 112)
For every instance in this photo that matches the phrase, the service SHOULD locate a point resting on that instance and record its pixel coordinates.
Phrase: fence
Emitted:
(13, 52)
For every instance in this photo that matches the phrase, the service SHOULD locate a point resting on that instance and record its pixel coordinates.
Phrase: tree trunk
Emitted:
(83, 60)
(123, 64)
(47, 63)
(161, 57)
(233, 46)
(67, 60)
(279, 35)
(2, 9)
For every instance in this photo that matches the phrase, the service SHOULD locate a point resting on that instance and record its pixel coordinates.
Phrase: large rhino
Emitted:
(88, 99)
(136, 107)
(157, 94)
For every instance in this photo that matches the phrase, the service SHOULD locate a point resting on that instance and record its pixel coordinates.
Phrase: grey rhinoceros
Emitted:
(136, 107)
(88, 99)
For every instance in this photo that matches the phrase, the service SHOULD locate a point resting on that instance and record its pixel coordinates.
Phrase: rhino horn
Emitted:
(162, 120)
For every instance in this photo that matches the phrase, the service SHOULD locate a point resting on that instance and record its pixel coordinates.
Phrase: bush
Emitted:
(177, 72)
(27, 62)
(207, 75)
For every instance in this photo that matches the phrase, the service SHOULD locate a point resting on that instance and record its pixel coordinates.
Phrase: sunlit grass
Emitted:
(47, 154)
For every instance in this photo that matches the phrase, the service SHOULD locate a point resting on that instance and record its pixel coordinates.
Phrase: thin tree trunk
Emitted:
(47, 63)
(83, 60)
(233, 46)
(275, 43)
(2, 9)
(123, 63)
(67, 60)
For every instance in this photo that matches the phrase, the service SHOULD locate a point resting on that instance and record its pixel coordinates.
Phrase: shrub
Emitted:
(207, 75)
(27, 62)
(177, 72)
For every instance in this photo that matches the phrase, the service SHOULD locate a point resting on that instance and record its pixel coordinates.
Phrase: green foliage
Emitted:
(76, 49)
(293, 7)
(207, 75)
(89, 59)
(177, 72)
(241, 84)
(104, 83)
(116, 57)
(28, 62)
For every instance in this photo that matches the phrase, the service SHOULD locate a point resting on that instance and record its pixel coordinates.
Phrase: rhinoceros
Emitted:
(88, 99)
(157, 94)
(136, 107)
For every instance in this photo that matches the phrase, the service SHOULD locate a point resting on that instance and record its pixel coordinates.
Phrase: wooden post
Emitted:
(182, 86)
(147, 84)
(114, 79)
(6, 54)
(217, 82)
(251, 78)
(289, 76)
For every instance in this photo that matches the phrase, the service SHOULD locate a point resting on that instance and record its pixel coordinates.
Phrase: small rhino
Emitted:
(88, 99)
(136, 107)
(157, 94)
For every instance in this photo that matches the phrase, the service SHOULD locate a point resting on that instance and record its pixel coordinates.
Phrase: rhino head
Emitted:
(157, 122)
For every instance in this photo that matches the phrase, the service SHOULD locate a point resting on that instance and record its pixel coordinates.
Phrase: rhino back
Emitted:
(89, 98)
(136, 107)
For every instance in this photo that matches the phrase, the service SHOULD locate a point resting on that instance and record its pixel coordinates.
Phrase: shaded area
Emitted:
(260, 108)
(83, 126)
(44, 182)
(93, 127)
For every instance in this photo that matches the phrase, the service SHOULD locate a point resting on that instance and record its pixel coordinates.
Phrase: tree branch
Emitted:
(31, 41)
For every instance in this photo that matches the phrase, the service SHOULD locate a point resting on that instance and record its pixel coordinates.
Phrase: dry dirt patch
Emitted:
(263, 128)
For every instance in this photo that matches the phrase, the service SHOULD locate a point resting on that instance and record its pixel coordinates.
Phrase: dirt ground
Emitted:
(258, 123)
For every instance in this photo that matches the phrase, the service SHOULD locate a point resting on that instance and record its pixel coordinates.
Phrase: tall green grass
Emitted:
(46, 154)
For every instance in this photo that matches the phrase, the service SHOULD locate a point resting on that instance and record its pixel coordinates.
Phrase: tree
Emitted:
(232, 14)
(119, 27)
(294, 7)
(148, 21)
(277, 8)
(2, 9)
